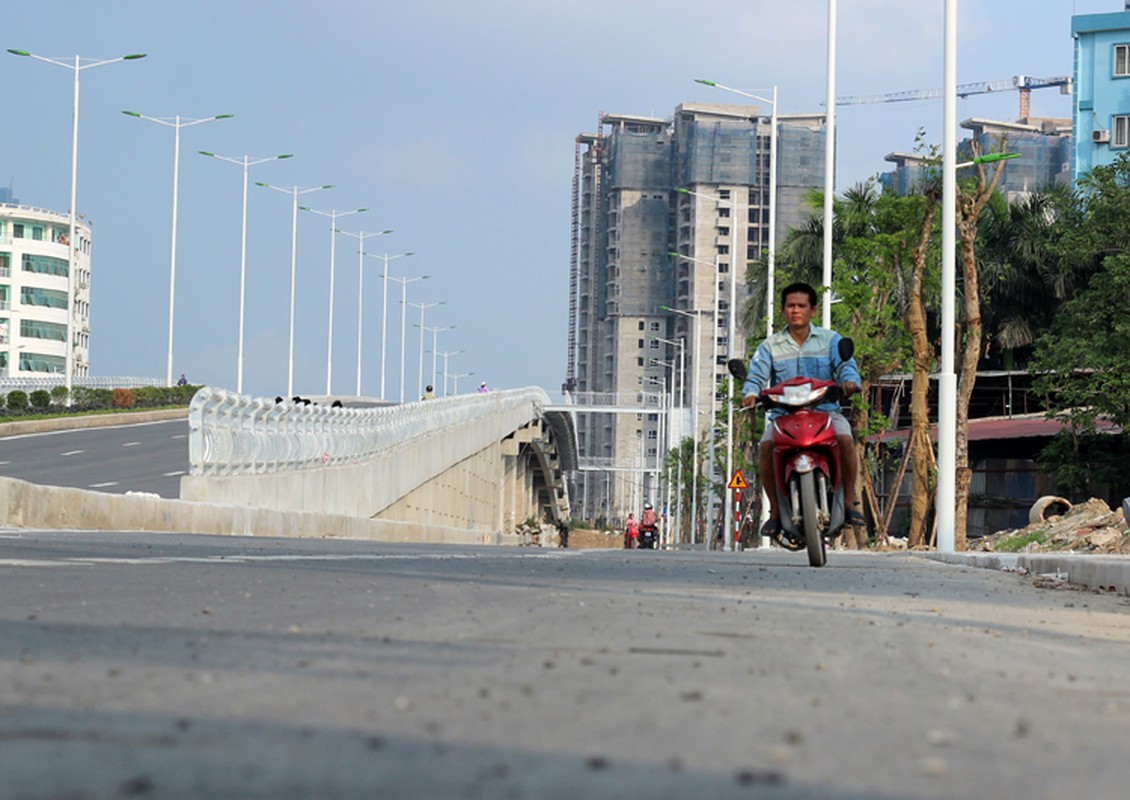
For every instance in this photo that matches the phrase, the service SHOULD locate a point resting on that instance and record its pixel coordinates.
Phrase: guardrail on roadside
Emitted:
(29, 384)
(234, 434)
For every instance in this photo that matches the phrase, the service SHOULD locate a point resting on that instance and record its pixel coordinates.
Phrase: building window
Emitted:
(1122, 60)
(641, 324)
(31, 329)
(639, 362)
(723, 249)
(44, 265)
(639, 343)
(653, 435)
(654, 344)
(723, 266)
(33, 296)
(1120, 136)
(654, 327)
(37, 232)
(17, 230)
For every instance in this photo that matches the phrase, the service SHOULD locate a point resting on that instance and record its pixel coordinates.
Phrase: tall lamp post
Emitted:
(435, 344)
(446, 355)
(77, 67)
(679, 389)
(333, 214)
(771, 270)
(947, 379)
(245, 162)
(361, 236)
(404, 281)
(176, 123)
(420, 369)
(455, 379)
(384, 311)
(713, 365)
(293, 191)
(697, 315)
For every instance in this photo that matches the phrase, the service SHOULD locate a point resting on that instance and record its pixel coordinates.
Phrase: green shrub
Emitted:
(1, 400)
(17, 400)
(88, 399)
(40, 398)
(59, 395)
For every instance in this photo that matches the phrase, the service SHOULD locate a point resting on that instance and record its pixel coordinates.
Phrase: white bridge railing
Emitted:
(594, 400)
(233, 434)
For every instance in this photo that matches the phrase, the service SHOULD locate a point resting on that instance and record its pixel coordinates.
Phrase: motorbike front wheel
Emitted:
(809, 509)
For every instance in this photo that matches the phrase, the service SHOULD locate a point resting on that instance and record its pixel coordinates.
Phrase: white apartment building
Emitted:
(35, 293)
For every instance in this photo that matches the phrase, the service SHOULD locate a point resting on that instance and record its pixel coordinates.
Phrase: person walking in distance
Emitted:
(631, 532)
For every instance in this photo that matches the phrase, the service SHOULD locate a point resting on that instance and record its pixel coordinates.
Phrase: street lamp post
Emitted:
(947, 379)
(176, 123)
(713, 365)
(455, 379)
(679, 389)
(361, 236)
(246, 163)
(420, 369)
(435, 345)
(446, 355)
(77, 67)
(404, 281)
(293, 191)
(333, 214)
(829, 161)
(384, 311)
(697, 315)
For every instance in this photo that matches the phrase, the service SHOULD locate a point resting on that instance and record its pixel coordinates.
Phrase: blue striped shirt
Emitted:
(779, 358)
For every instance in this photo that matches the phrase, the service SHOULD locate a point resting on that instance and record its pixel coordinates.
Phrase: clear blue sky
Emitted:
(453, 122)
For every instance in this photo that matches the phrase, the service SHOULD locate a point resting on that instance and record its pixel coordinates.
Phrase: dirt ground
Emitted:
(1090, 527)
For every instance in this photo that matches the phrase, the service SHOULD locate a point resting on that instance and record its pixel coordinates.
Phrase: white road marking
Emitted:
(130, 444)
(173, 474)
(249, 559)
(180, 436)
(103, 485)
(4, 463)
(72, 452)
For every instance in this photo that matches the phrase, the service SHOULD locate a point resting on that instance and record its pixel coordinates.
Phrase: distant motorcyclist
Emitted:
(802, 349)
(648, 520)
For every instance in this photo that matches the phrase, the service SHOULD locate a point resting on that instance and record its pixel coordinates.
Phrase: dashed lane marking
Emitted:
(130, 444)
(172, 474)
(103, 485)
(72, 452)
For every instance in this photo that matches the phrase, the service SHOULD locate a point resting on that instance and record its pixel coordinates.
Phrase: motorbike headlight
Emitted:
(805, 463)
(801, 394)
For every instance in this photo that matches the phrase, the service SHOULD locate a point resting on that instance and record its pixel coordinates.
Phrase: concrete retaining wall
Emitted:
(27, 505)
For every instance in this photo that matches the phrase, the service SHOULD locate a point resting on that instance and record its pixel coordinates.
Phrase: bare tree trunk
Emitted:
(918, 443)
(969, 208)
(892, 502)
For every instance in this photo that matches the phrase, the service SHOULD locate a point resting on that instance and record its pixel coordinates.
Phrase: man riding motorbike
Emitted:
(805, 350)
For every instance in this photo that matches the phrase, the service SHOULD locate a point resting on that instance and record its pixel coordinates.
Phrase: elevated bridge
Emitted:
(468, 468)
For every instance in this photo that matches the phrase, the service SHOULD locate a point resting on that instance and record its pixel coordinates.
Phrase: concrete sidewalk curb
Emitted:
(90, 421)
(1110, 573)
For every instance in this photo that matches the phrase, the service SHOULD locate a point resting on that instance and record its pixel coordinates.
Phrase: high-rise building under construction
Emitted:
(666, 212)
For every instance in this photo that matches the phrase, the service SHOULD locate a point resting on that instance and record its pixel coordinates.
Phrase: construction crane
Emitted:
(1021, 83)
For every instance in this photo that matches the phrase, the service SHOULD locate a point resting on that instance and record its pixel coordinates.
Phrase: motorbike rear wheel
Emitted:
(809, 509)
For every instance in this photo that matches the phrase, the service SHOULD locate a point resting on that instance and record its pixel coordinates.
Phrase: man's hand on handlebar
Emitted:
(848, 388)
(749, 402)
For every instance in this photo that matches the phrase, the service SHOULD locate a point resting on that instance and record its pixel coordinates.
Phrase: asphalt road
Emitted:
(189, 666)
(148, 457)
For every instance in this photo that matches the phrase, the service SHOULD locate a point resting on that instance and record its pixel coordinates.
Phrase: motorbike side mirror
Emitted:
(737, 368)
(847, 348)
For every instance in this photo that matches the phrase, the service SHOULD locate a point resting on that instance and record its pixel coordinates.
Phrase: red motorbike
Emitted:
(807, 472)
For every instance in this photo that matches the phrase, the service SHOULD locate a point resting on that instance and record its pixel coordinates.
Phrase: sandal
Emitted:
(772, 529)
(855, 517)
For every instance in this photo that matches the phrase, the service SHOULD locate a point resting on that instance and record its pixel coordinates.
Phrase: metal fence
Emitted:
(233, 434)
(30, 384)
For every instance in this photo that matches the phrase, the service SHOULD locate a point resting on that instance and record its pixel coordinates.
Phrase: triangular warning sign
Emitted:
(738, 481)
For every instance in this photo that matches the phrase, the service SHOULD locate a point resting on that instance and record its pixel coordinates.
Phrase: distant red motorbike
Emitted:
(807, 472)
